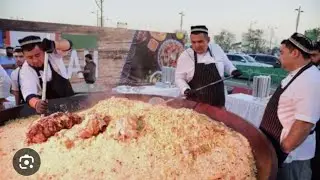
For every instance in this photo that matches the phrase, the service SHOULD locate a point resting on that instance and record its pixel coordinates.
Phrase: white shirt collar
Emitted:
(294, 72)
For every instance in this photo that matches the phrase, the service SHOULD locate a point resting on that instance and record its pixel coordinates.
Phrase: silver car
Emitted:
(245, 60)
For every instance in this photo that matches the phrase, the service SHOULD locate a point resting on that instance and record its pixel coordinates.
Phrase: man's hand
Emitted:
(236, 73)
(41, 106)
(48, 45)
(189, 92)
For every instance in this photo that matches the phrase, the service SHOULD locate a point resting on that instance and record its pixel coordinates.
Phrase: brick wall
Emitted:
(113, 45)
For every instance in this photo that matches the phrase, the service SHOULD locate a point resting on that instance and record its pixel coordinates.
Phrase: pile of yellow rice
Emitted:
(176, 144)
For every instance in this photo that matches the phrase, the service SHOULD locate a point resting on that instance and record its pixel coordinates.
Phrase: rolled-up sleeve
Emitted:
(29, 83)
(307, 102)
(228, 66)
(184, 67)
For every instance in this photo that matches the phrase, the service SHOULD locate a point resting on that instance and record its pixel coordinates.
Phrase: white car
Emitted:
(245, 60)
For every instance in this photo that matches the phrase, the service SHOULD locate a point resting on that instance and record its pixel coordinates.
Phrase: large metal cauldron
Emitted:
(263, 151)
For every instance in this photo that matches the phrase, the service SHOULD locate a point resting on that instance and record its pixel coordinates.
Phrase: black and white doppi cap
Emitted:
(29, 40)
(17, 48)
(199, 29)
(302, 42)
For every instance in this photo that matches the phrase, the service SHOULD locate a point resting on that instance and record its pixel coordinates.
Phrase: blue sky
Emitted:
(162, 15)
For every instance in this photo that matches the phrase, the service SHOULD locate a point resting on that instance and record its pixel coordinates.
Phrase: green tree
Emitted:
(313, 34)
(253, 42)
(225, 40)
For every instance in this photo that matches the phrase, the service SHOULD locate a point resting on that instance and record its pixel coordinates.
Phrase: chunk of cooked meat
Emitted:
(93, 125)
(46, 127)
(129, 127)
(68, 143)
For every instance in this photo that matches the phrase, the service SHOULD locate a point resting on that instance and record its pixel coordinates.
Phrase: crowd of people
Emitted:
(22, 72)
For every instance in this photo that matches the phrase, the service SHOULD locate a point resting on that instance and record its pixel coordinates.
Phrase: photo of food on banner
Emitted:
(148, 54)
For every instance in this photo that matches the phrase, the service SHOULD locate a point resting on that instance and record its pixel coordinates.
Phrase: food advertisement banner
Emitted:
(12, 37)
(149, 52)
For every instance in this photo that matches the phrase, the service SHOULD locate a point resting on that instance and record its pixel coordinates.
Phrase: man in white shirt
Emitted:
(200, 65)
(15, 76)
(31, 73)
(293, 110)
(5, 83)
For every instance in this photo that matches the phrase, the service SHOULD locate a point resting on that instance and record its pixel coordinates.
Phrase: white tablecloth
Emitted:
(10, 102)
(149, 90)
(247, 107)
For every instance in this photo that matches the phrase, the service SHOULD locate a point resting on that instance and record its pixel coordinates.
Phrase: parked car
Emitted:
(267, 59)
(245, 60)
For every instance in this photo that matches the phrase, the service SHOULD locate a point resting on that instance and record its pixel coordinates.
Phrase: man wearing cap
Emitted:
(15, 76)
(293, 110)
(200, 65)
(316, 55)
(31, 73)
(315, 163)
(8, 62)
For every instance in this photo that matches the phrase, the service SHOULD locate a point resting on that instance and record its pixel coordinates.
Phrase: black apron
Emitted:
(58, 87)
(203, 75)
(19, 87)
(271, 125)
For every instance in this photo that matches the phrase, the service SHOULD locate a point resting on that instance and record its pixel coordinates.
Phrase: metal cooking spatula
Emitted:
(213, 83)
(157, 100)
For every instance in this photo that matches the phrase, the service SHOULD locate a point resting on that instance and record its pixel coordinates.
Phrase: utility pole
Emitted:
(298, 17)
(99, 3)
(181, 20)
(97, 18)
(271, 35)
(251, 32)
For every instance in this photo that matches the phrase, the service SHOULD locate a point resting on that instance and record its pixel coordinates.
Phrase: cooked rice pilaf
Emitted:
(173, 144)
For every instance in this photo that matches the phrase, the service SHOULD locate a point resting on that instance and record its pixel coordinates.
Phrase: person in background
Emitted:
(316, 56)
(293, 110)
(200, 65)
(89, 72)
(315, 163)
(15, 76)
(8, 62)
(5, 84)
(31, 73)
